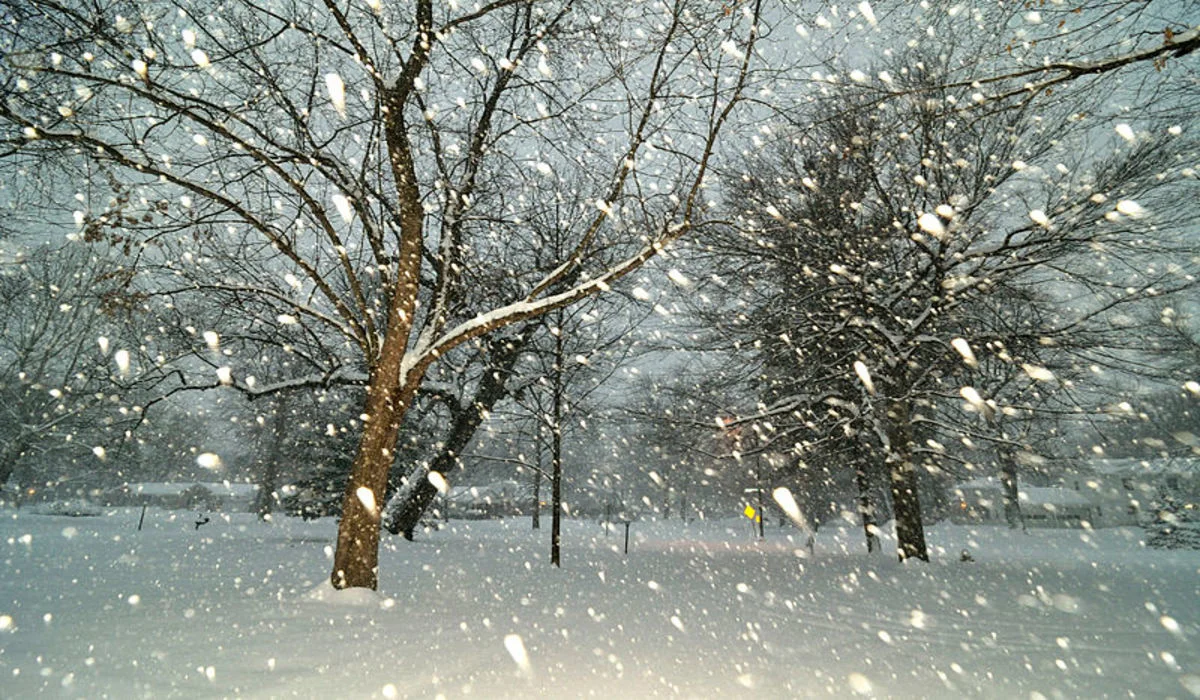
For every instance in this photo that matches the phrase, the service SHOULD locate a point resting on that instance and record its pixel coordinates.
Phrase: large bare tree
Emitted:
(351, 167)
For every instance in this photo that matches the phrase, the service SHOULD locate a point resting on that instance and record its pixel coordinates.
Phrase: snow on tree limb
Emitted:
(1174, 45)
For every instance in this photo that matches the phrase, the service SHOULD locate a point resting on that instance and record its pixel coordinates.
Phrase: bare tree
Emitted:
(878, 237)
(66, 322)
(368, 156)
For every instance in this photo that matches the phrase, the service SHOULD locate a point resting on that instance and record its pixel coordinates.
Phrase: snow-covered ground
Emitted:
(90, 607)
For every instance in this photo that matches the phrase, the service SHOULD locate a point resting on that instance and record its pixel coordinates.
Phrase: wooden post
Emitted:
(143, 518)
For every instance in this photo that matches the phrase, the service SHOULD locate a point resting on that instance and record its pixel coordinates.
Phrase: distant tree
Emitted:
(1168, 416)
(891, 248)
(678, 427)
(67, 346)
(318, 494)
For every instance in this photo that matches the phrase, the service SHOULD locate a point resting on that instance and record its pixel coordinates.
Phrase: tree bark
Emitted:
(420, 494)
(264, 500)
(758, 479)
(356, 561)
(390, 392)
(906, 504)
(392, 387)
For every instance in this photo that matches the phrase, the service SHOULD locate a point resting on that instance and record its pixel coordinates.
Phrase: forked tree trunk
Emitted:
(906, 504)
(392, 387)
(405, 515)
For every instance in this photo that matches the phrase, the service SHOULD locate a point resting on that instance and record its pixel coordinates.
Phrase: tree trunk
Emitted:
(537, 491)
(9, 457)
(556, 452)
(404, 514)
(866, 509)
(1008, 483)
(906, 504)
(556, 495)
(390, 392)
(391, 387)
(264, 501)
(418, 496)
(7, 466)
(356, 561)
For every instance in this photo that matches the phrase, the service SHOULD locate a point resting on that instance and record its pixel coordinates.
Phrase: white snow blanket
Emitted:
(90, 607)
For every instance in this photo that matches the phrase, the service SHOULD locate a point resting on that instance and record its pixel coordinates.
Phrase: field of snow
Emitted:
(91, 607)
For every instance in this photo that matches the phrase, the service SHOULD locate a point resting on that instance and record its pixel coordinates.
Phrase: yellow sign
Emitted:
(749, 512)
